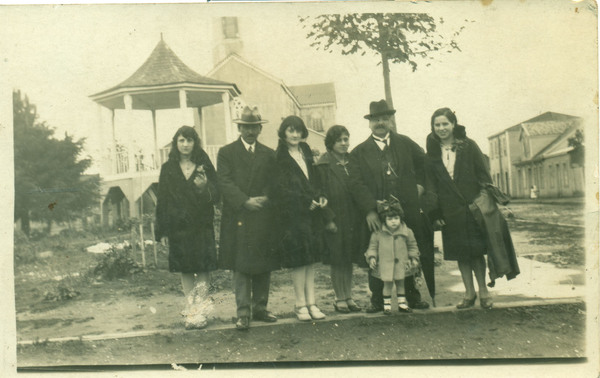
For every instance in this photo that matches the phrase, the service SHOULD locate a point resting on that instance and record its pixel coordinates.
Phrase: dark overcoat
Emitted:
(185, 215)
(462, 237)
(367, 177)
(340, 248)
(247, 237)
(300, 229)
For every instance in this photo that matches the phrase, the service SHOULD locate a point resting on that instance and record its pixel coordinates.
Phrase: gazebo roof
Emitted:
(156, 84)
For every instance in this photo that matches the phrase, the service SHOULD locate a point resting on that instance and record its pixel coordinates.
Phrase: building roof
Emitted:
(314, 94)
(157, 81)
(235, 57)
(558, 145)
(542, 118)
(545, 127)
(162, 67)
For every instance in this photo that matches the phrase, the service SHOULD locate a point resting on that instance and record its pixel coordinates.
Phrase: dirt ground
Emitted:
(153, 301)
(516, 333)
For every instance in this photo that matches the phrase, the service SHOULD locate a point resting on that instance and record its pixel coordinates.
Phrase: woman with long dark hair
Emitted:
(300, 204)
(456, 172)
(184, 210)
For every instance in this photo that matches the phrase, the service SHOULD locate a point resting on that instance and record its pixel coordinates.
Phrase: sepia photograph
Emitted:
(267, 188)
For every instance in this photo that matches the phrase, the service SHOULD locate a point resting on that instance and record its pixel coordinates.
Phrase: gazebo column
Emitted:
(227, 113)
(129, 110)
(202, 127)
(113, 156)
(156, 161)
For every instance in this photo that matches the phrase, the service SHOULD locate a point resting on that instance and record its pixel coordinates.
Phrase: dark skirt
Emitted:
(301, 243)
(474, 244)
(193, 250)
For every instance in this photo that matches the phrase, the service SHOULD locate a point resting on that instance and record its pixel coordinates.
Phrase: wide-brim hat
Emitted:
(250, 117)
(379, 108)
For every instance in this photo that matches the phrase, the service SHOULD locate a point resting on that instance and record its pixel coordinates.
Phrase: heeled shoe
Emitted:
(315, 313)
(403, 307)
(352, 306)
(467, 303)
(302, 314)
(341, 309)
(486, 303)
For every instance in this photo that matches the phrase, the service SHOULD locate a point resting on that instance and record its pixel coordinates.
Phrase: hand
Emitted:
(373, 221)
(420, 190)
(253, 204)
(200, 181)
(331, 227)
(438, 224)
(372, 263)
(262, 200)
(164, 241)
(313, 205)
(414, 262)
(322, 202)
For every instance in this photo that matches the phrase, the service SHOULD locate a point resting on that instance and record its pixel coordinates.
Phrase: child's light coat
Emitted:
(392, 251)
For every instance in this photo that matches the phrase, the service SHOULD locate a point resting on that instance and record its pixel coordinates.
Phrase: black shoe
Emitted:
(371, 309)
(341, 309)
(243, 323)
(353, 306)
(420, 305)
(265, 316)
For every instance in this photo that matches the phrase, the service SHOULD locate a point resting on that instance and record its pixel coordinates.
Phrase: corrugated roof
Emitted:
(164, 67)
(312, 94)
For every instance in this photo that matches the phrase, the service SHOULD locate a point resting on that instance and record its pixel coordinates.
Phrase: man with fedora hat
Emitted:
(387, 164)
(244, 171)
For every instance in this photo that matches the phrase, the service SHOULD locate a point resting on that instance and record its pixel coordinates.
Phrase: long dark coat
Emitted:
(300, 229)
(341, 247)
(367, 177)
(185, 215)
(462, 237)
(247, 237)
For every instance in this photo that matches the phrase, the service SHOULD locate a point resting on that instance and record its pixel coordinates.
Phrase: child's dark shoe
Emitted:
(403, 307)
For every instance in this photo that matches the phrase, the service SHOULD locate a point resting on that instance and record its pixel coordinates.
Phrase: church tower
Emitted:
(226, 34)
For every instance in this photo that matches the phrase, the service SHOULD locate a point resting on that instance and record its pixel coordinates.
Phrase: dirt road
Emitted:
(555, 331)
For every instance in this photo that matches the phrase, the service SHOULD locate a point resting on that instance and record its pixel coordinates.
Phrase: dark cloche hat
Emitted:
(250, 117)
(378, 108)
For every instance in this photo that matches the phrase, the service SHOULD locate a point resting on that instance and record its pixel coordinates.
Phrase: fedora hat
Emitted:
(250, 117)
(378, 108)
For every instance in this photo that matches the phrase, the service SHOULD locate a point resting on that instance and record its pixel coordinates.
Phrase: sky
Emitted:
(518, 59)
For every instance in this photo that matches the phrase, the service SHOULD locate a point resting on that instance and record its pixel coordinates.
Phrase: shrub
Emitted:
(24, 250)
(116, 264)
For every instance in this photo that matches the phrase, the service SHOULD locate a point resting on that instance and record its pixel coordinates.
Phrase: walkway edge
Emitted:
(330, 318)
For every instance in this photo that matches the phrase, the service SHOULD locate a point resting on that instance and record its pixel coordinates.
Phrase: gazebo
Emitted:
(162, 82)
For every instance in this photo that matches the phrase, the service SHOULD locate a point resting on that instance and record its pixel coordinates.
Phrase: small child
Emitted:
(392, 251)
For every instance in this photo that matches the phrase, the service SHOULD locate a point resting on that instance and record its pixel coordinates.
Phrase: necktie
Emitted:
(250, 149)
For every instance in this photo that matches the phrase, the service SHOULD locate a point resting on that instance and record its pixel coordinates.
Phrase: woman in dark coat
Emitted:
(184, 210)
(300, 206)
(341, 247)
(456, 172)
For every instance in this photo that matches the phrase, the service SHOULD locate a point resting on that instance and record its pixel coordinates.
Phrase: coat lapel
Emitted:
(445, 176)
(372, 153)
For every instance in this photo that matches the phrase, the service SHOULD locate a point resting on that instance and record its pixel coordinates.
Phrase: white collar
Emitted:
(384, 139)
(246, 145)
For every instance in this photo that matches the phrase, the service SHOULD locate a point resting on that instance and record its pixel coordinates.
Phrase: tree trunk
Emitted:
(25, 224)
(388, 86)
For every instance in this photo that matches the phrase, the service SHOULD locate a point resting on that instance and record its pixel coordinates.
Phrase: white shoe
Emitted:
(315, 313)
(302, 314)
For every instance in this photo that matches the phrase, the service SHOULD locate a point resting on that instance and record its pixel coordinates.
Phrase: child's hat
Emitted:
(391, 206)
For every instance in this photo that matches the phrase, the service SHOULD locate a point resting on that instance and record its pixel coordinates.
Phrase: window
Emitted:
(507, 187)
(504, 147)
(230, 27)
(316, 121)
(558, 176)
(492, 154)
(565, 175)
(551, 170)
(542, 178)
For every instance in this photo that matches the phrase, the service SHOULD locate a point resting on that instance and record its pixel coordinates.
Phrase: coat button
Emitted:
(239, 223)
(396, 260)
